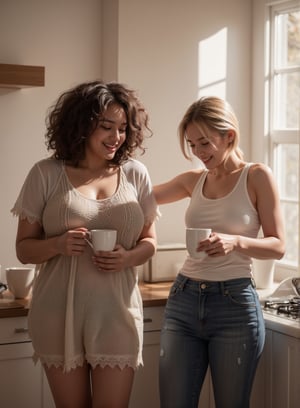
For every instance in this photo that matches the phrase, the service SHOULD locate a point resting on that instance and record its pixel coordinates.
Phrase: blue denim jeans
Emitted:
(219, 324)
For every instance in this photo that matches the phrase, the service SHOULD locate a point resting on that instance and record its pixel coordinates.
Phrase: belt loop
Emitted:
(222, 288)
(183, 282)
(253, 283)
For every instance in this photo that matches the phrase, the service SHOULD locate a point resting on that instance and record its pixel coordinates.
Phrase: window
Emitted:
(284, 122)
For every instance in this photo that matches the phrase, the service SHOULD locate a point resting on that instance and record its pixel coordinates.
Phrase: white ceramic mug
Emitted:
(193, 237)
(19, 281)
(102, 239)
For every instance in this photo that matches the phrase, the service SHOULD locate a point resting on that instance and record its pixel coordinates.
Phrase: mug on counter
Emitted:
(20, 280)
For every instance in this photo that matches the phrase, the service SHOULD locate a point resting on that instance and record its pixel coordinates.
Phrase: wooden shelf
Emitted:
(21, 76)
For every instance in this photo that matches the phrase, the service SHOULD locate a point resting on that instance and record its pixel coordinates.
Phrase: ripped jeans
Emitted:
(219, 324)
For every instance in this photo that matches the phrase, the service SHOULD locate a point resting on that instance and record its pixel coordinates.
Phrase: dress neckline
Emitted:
(99, 200)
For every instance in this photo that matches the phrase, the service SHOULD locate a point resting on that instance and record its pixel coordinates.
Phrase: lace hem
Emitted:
(94, 360)
(24, 216)
(59, 362)
(114, 361)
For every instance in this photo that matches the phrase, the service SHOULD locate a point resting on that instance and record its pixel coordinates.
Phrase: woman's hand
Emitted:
(121, 258)
(32, 247)
(111, 261)
(218, 244)
(72, 242)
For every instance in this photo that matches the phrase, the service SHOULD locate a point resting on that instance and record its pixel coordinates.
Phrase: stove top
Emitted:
(289, 308)
(285, 301)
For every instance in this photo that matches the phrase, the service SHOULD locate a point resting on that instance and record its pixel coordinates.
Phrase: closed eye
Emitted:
(192, 145)
(105, 127)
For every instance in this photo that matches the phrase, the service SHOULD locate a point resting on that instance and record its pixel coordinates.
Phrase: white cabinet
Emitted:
(277, 380)
(145, 392)
(207, 395)
(20, 381)
(22, 384)
(260, 393)
(285, 389)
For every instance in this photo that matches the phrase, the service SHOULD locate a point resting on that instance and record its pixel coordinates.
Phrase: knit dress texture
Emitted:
(79, 313)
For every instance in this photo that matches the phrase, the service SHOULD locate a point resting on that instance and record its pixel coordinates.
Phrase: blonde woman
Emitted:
(213, 316)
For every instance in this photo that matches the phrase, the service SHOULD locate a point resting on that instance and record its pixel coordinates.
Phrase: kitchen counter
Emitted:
(153, 294)
(279, 324)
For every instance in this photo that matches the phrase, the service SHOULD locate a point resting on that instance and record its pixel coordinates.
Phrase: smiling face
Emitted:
(109, 135)
(210, 147)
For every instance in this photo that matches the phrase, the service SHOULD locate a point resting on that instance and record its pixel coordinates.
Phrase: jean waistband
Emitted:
(205, 286)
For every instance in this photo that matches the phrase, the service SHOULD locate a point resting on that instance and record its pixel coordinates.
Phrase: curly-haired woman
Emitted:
(86, 318)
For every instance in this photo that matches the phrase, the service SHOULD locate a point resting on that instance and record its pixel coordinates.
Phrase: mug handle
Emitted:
(88, 240)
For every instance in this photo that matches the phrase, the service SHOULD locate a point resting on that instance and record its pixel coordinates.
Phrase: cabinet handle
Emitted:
(21, 330)
(148, 320)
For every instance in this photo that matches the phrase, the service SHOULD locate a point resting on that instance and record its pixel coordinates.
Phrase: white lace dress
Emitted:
(77, 313)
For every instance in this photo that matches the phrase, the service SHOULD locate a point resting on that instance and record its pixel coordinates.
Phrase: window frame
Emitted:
(277, 136)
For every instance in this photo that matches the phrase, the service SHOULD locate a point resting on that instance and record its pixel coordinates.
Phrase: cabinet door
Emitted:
(260, 396)
(207, 396)
(48, 401)
(285, 371)
(20, 379)
(145, 392)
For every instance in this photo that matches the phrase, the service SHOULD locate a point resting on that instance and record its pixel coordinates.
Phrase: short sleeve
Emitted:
(137, 174)
(35, 191)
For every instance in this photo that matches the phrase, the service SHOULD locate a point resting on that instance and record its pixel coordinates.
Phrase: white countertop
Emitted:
(277, 323)
(282, 325)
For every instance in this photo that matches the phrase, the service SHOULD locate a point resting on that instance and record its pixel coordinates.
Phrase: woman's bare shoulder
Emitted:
(189, 179)
(258, 170)
(261, 176)
(191, 175)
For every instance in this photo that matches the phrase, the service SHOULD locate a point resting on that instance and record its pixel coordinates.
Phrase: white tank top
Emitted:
(232, 214)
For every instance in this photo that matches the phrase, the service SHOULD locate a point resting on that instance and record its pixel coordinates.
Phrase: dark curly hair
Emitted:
(76, 114)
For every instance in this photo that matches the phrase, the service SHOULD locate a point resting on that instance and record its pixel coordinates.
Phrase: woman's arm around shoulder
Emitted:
(177, 188)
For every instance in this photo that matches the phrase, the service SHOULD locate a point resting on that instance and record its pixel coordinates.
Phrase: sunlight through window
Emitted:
(212, 65)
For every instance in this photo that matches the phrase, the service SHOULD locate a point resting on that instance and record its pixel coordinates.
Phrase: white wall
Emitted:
(150, 45)
(65, 37)
(158, 54)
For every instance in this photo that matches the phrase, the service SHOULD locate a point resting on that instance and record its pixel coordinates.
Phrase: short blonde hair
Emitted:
(210, 112)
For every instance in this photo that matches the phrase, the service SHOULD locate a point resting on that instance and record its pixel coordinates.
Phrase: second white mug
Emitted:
(20, 280)
(193, 236)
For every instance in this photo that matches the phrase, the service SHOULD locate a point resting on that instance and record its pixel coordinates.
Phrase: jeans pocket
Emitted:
(244, 298)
